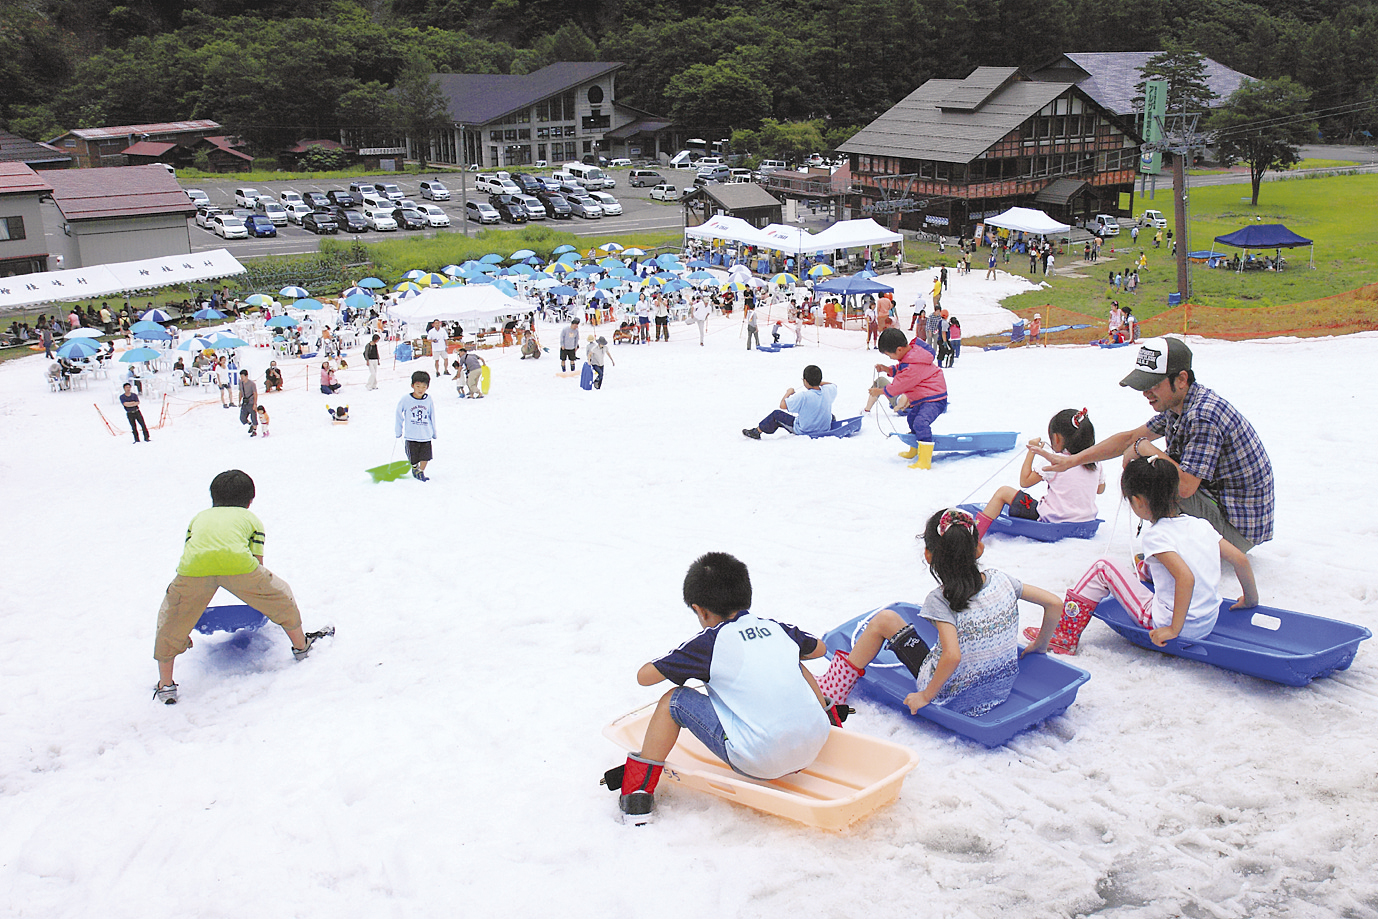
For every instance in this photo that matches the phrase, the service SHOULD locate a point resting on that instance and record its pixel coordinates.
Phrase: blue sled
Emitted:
(844, 428)
(769, 349)
(230, 618)
(1044, 688)
(1271, 644)
(983, 442)
(1034, 529)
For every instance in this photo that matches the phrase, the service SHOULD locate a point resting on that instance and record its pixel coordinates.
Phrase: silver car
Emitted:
(584, 206)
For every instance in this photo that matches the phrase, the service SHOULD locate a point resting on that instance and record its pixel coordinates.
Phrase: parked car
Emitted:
(320, 223)
(259, 226)
(243, 213)
(341, 198)
(357, 189)
(349, 221)
(508, 207)
(555, 206)
(288, 196)
(246, 197)
(374, 200)
(665, 192)
(228, 226)
(434, 215)
(296, 212)
(495, 184)
(740, 176)
(552, 185)
(584, 206)
(198, 197)
(529, 184)
(639, 178)
(435, 191)
(409, 218)
(316, 199)
(1152, 218)
(379, 219)
(390, 190)
(591, 177)
(481, 212)
(571, 188)
(772, 165)
(619, 162)
(204, 213)
(535, 210)
(266, 207)
(609, 204)
(1104, 225)
(713, 173)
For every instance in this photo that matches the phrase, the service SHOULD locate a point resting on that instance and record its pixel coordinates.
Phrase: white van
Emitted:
(591, 177)
(1104, 225)
(1152, 218)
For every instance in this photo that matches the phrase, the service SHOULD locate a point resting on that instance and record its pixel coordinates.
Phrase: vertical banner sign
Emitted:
(1155, 108)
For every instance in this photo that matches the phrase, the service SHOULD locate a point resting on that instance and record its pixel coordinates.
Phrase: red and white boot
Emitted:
(639, 780)
(836, 684)
(1076, 615)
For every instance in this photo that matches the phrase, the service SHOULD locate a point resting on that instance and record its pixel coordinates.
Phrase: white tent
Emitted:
(788, 239)
(721, 226)
(853, 234)
(1027, 220)
(468, 303)
(116, 278)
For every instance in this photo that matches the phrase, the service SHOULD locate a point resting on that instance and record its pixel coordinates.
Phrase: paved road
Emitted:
(640, 213)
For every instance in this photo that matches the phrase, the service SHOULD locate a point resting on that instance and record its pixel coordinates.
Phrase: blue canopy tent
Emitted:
(852, 285)
(1265, 236)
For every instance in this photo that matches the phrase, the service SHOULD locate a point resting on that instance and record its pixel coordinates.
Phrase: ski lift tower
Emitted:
(1180, 136)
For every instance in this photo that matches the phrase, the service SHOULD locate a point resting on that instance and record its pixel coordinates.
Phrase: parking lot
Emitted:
(639, 212)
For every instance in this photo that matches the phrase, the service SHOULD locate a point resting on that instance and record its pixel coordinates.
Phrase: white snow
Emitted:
(440, 756)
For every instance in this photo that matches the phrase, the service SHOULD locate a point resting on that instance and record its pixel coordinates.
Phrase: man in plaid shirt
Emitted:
(1226, 476)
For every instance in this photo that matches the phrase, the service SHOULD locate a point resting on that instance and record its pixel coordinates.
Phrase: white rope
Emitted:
(997, 472)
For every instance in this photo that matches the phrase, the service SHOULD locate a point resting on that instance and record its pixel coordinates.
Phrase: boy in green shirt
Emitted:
(224, 548)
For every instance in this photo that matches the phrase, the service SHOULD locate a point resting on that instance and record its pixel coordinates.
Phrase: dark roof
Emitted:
(225, 144)
(147, 148)
(1110, 77)
(118, 191)
(478, 98)
(15, 149)
(126, 130)
(924, 125)
(16, 178)
(1061, 191)
(741, 196)
(302, 146)
(642, 125)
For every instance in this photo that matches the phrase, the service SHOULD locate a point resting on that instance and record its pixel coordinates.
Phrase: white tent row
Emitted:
(845, 234)
(468, 303)
(116, 278)
(1027, 220)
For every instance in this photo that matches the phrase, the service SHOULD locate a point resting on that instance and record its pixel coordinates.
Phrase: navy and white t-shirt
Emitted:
(750, 665)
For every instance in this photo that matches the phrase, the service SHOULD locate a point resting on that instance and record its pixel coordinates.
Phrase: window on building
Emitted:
(495, 135)
(523, 134)
(540, 151)
(543, 111)
(543, 133)
(588, 146)
(12, 228)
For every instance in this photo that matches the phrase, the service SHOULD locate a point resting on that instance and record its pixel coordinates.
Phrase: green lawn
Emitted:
(1339, 212)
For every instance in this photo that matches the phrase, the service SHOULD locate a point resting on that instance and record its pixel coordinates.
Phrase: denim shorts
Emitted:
(694, 710)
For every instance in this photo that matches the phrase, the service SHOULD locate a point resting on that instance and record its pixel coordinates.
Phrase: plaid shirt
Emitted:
(1213, 442)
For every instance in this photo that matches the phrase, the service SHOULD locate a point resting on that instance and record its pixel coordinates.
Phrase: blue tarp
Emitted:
(1263, 236)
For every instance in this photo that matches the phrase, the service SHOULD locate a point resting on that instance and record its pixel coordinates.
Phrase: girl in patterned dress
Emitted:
(973, 666)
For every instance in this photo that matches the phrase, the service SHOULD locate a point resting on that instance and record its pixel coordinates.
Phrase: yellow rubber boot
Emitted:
(924, 458)
(910, 453)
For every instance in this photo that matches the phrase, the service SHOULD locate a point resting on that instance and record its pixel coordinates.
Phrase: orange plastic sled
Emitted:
(853, 776)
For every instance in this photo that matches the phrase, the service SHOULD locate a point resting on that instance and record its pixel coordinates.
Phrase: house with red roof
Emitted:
(23, 245)
(132, 144)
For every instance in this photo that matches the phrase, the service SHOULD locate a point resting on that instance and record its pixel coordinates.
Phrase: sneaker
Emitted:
(166, 694)
(637, 808)
(422, 476)
(753, 433)
(415, 473)
(300, 653)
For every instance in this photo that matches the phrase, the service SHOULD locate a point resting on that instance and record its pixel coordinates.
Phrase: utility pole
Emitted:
(1180, 141)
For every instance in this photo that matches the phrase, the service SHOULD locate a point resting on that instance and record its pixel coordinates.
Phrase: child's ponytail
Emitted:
(1076, 430)
(951, 540)
(1156, 482)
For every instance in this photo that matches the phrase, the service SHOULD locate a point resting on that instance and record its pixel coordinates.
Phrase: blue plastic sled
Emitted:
(586, 377)
(769, 349)
(844, 428)
(1044, 688)
(1268, 643)
(1120, 344)
(230, 618)
(1034, 529)
(983, 442)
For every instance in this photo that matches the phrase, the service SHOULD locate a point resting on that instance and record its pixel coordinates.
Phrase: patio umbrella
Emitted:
(258, 300)
(506, 287)
(413, 291)
(734, 286)
(158, 334)
(283, 322)
(191, 344)
(414, 274)
(208, 313)
(156, 315)
(698, 263)
(546, 283)
(633, 252)
(293, 291)
(629, 298)
(820, 271)
(85, 333)
(309, 304)
(610, 247)
(372, 283)
(225, 342)
(358, 301)
(865, 273)
(608, 283)
(621, 272)
(432, 280)
(522, 270)
(666, 260)
(784, 279)
(352, 291)
(145, 326)
(562, 249)
(564, 290)
(492, 258)
(520, 254)
(78, 349)
(450, 269)
(139, 355)
(702, 276)
(675, 284)
(408, 287)
(611, 262)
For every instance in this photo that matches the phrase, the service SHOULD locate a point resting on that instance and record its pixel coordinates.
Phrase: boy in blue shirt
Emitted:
(807, 412)
(762, 713)
(416, 418)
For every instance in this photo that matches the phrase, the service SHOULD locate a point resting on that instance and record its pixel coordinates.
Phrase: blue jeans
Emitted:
(775, 421)
(921, 419)
(694, 710)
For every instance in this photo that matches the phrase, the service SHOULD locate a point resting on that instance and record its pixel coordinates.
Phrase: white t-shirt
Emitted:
(1197, 542)
(437, 337)
(1071, 496)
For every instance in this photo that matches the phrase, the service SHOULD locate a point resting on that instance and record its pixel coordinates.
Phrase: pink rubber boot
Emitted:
(837, 683)
(1076, 615)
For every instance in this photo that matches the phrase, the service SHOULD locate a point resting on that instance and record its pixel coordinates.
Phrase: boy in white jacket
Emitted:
(416, 418)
